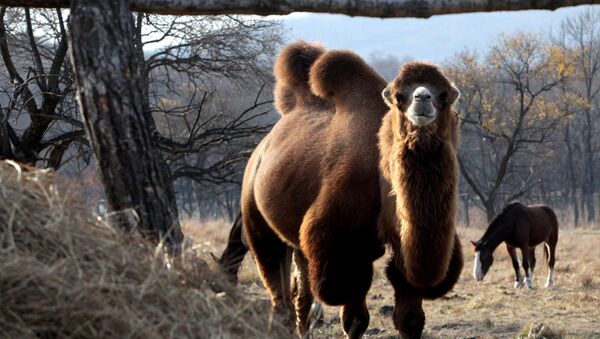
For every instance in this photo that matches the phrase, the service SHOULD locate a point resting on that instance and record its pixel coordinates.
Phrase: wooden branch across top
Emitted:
(370, 8)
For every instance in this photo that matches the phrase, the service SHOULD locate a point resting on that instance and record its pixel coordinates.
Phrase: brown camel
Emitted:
(419, 179)
(312, 186)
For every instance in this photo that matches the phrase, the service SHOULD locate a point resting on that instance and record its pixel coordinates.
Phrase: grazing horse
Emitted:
(231, 259)
(522, 227)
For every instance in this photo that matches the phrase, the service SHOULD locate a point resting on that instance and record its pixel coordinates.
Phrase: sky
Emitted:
(435, 39)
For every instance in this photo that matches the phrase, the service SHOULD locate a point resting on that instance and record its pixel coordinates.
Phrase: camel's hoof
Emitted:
(411, 326)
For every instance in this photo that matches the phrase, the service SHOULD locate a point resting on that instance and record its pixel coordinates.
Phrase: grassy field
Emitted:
(488, 309)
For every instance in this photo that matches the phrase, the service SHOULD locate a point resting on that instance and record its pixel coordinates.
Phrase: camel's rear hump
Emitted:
(343, 72)
(291, 75)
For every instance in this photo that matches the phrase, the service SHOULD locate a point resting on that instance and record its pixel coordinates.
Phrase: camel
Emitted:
(418, 142)
(313, 192)
(311, 186)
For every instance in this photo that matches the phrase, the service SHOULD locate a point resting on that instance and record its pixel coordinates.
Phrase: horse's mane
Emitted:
(501, 224)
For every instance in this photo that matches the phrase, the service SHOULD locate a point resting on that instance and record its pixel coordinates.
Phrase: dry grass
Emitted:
(488, 309)
(64, 273)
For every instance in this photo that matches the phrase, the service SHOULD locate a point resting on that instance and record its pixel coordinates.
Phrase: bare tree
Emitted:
(580, 36)
(111, 100)
(505, 113)
(207, 88)
(38, 116)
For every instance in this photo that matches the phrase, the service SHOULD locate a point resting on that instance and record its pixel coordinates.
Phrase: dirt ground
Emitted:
(488, 309)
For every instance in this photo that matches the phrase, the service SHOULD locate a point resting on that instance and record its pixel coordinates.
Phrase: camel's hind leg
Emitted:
(550, 257)
(303, 297)
(273, 259)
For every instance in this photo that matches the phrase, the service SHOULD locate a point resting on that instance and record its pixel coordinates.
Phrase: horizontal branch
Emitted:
(370, 8)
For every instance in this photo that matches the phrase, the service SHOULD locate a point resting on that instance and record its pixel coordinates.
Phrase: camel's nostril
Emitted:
(422, 97)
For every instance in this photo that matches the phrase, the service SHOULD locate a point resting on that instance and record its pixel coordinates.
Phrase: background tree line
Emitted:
(206, 84)
(528, 110)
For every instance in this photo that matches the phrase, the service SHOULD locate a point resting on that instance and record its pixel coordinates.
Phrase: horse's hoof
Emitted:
(528, 283)
(519, 284)
(549, 284)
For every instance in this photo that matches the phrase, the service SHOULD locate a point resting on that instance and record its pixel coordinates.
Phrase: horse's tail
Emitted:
(553, 237)
(291, 75)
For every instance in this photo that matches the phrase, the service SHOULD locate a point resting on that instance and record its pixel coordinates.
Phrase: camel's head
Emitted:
(421, 93)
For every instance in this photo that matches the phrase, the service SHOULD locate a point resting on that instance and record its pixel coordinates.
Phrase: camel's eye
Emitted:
(400, 99)
(443, 97)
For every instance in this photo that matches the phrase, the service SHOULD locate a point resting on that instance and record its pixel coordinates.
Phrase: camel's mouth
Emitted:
(421, 111)
(421, 120)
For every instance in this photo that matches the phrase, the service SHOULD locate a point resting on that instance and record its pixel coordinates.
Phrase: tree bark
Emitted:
(589, 182)
(105, 63)
(371, 8)
(466, 199)
(572, 176)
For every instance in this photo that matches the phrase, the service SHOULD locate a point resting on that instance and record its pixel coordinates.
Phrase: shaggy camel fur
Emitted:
(419, 177)
(312, 186)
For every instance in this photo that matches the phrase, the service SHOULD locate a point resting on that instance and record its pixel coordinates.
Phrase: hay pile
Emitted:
(63, 273)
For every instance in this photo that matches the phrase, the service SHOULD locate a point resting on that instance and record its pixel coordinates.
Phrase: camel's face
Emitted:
(420, 93)
(421, 110)
(420, 103)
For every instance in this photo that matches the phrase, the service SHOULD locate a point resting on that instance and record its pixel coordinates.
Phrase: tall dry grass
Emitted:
(65, 273)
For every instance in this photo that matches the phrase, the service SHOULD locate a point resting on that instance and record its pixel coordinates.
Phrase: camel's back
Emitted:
(322, 153)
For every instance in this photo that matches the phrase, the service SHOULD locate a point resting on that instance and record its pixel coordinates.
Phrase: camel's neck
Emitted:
(423, 173)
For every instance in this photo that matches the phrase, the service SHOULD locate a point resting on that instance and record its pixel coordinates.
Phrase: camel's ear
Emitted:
(453, 95)
(474, 243)
(387, 96)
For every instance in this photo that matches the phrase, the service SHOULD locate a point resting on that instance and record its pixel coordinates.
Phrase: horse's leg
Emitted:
(355, 317)
(525, 262)
(303, 297)
(515, 262)
(532, 262)
(550, 251)
(273, 259)
(409, 318)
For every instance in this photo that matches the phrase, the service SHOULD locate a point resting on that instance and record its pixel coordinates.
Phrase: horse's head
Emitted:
(484, 257)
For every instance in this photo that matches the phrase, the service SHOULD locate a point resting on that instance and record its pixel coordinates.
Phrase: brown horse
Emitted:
(522, 227)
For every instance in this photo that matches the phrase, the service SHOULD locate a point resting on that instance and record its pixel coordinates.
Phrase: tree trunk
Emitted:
(589, 183)
(490, 210)
(106, 71)
(5, 148)
(466, 200)
(572, 177)
(373, 8)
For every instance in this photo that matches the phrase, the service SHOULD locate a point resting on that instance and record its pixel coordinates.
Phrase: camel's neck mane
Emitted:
(423, 175)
